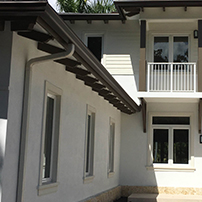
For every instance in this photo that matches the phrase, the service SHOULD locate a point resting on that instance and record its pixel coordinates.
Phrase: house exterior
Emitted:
(98, 106)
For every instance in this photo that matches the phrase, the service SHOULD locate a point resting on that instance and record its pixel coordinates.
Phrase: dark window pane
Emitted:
(180, 49)
(48, 137)
(88, 145)
(95, 46)
(161, 49)
(160, 146)
(181, 146)
(171, 120)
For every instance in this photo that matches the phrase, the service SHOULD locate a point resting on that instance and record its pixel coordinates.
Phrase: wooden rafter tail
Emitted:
(199, 114)
(144, 114)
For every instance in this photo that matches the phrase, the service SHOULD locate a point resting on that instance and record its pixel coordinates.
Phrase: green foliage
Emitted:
(86, 6)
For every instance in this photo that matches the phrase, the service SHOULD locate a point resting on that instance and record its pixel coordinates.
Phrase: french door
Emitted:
(171, 49)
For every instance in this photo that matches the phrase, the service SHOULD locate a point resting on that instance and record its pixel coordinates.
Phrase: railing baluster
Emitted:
(181, 78)
(152, 79)
(171, 77)
(191, 88)
(168, 73)
(184, 77)
(188, 85)
(194, 77)
(158, 79)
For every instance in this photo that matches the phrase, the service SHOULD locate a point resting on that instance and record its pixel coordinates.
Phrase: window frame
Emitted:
(170, 166)
(49, 185)
(88, 176)
(111, 148)
(86, 35)
(170, 44)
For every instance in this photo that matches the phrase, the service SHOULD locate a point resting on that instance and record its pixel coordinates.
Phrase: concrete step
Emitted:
(164, 198)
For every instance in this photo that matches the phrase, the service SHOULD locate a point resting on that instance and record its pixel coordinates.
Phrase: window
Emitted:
(94, 43)
(171, 140)
(89, 144)
(171, 49)
(50, 139)
(111, 147)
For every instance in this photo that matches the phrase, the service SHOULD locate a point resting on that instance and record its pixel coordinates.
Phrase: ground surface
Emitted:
(122, 199)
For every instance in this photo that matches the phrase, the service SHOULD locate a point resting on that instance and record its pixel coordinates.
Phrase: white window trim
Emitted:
(111, 172)
(88, 177)
(86, 35)
(170, 35)
(170, 166)
(50, 185)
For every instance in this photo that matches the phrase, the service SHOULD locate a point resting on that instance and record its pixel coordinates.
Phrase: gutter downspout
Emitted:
(26, 114)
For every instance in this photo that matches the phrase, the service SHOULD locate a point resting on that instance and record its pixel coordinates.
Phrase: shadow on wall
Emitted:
(3, 127)
(134, 175)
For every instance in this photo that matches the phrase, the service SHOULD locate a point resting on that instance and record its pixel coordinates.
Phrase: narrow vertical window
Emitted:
(160, 146)
(50, 140)
(95, 46)
(111, 147)
(48, 147)
(89, 146)
(181, 146)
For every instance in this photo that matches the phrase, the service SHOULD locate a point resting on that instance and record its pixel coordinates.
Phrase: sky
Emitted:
(53, 3)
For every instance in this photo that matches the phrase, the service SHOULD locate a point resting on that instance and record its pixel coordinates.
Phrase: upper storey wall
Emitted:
(120, 46)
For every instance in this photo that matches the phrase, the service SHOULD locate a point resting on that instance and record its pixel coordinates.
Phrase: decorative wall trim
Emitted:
(128, 190)
(107, 196)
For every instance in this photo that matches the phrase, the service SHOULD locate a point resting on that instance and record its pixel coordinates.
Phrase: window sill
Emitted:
(111, 174)
(47, 188)
(88, 179)
(171, 169)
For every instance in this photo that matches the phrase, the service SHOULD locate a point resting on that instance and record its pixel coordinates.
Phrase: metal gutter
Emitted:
(26, 114)
(84, 55)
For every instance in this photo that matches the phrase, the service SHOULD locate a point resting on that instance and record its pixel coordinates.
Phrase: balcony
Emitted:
(171, 77)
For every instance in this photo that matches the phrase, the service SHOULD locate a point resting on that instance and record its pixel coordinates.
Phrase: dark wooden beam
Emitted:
(143, 34)
(144, 114)
(119, 105)
(90, 16)
(110, 97)
(98, 86)
(23, 25)
(49, 48)
(106, 21)
(199, 33)
(77, 70)
(36, 36)
(114, 101)
(87, 79)
(104, 92)
(199, 115)
(68, 62)
(2, 25)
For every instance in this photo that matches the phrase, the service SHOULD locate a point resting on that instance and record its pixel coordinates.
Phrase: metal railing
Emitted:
(171, 77)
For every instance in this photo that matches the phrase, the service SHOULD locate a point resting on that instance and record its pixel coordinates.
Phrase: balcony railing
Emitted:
(171, 77)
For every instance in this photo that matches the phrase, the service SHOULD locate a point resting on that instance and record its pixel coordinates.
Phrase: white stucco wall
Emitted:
(134, 147)
(75, 97)
(120, 48)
